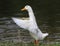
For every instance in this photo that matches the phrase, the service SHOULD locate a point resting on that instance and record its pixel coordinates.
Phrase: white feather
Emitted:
(22, 23)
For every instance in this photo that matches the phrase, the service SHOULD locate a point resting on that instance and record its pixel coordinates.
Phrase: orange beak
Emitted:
(23, 9)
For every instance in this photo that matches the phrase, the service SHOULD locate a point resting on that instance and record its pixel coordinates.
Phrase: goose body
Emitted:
(30, 24)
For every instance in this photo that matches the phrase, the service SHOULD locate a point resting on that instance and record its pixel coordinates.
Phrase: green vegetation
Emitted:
(26, 44)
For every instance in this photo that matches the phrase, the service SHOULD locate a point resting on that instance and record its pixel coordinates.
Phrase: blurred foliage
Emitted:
(11, 43)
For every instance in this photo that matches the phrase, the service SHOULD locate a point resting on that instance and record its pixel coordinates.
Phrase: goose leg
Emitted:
(36, 43)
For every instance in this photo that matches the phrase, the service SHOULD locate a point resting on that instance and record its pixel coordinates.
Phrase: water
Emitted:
(47, 14)
(9, 31)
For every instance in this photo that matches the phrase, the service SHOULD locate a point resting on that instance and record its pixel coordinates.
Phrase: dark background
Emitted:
(40, 7)
(48, 10)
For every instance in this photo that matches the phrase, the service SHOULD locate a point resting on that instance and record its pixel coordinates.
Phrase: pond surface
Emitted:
(10, 31)
(47, 15)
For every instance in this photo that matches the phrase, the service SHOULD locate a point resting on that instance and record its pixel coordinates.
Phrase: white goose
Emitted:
(31, 25)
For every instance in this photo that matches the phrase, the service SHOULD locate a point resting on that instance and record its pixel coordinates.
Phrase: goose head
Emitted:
(27, 7)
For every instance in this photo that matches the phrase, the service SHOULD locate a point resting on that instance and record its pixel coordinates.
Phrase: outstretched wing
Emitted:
(21, 22)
